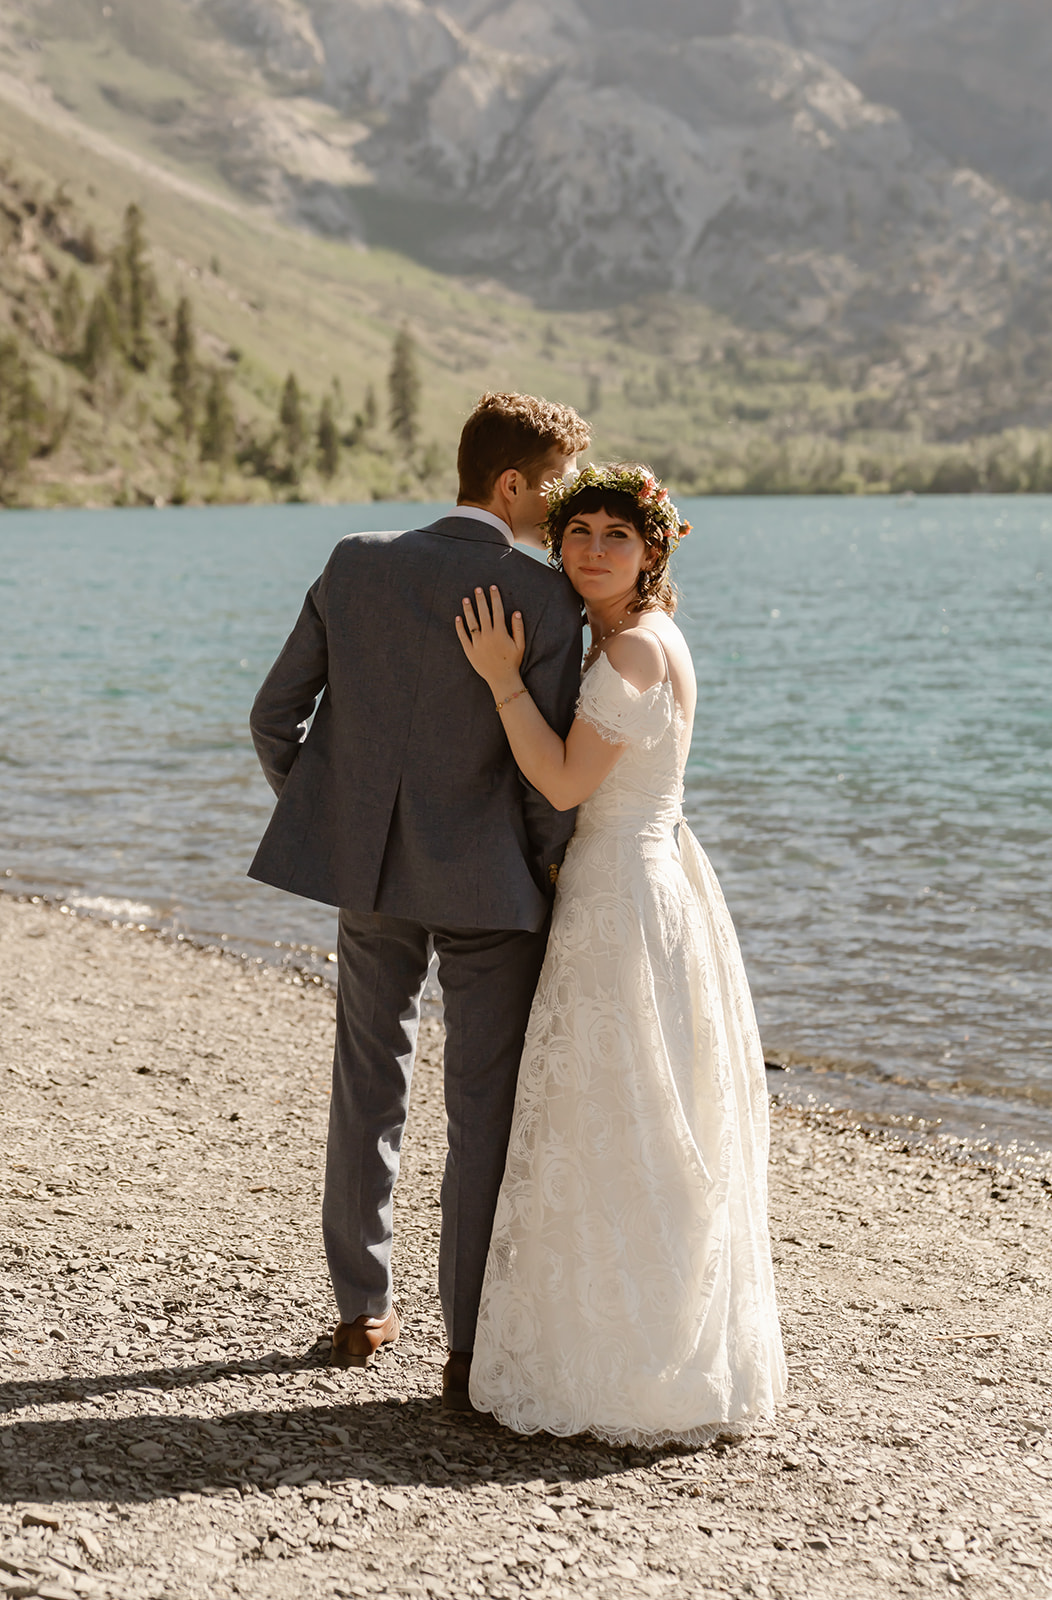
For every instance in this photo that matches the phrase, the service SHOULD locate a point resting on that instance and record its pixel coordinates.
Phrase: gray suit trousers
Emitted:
(488, 979)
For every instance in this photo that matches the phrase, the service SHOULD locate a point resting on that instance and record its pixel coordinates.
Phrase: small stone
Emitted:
(543, 1513)
(951, 1539)
(146, 1450)
(393, 1500)
(89, 1544)
(296, 1476)
(41, 1519)
(918, 1552)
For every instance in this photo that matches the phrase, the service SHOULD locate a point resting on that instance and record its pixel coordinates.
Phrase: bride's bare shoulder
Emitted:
(637, 655)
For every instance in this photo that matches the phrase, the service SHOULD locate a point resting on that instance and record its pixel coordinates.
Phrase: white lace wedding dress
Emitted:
(628, 1290)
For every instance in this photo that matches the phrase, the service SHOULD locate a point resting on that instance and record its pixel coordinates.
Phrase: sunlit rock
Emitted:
(283, 34)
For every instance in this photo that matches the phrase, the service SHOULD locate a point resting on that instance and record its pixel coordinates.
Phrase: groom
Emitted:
(400, 804)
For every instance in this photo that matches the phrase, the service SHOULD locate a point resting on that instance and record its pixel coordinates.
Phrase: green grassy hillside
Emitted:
(89, 412)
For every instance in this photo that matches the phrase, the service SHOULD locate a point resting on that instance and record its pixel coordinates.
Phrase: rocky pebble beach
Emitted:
(171, 1428)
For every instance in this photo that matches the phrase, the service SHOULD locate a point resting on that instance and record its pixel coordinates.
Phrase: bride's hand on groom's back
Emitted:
(565, 772)
(495, 654)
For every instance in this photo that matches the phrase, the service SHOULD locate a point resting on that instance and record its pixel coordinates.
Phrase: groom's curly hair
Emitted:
(514, 430)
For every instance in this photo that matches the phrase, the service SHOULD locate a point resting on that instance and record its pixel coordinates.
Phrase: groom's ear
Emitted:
(510, 482)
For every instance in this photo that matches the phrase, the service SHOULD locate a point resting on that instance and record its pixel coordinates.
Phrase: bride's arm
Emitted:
(565, 771)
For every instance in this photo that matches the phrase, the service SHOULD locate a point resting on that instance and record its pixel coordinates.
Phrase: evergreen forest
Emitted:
(124, 380)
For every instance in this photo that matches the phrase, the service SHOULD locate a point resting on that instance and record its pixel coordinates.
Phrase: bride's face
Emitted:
(602, 556)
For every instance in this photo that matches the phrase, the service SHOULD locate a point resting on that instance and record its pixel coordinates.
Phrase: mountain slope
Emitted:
(969, 77)
(587, 159)
(267, 300)
(771, 363)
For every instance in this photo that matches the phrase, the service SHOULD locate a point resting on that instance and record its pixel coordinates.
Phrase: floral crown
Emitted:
(660, 517)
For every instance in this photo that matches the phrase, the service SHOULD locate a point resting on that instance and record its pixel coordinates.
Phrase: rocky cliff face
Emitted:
(977, 87)
(727, 148)
(282, 35)
(970, 77)
(827, 168)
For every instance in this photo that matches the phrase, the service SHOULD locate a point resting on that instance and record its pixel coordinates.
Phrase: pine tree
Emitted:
(87, 247)
(219, 427)
(69, 314)
(102, 335)
(403, 385)
(293, 426)
(140, 286)
(370, 410)
(328, 441)
(23, 416)
(118, 295)
(184, 367)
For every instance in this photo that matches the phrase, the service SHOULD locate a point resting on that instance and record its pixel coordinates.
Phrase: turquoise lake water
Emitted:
(871, 771)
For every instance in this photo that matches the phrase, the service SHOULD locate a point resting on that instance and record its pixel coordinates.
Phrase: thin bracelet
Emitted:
(500, 704)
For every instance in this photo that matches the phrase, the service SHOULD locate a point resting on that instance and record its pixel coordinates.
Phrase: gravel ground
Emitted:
(172, 1429)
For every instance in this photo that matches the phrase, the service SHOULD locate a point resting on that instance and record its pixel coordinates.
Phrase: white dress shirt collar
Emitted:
(477, 514)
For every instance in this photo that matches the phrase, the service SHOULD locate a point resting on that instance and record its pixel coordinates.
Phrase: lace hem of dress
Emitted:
(622, 714)
(689, 1438)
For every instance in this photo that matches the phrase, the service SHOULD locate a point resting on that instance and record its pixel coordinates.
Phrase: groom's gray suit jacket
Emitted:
(403, 796)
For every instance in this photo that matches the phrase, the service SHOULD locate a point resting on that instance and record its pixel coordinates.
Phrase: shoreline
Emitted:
(171, 1427)
(313, 966)
(265, 499)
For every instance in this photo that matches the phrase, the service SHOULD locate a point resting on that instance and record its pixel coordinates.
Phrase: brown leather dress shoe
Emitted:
(354, 1344)
(455, 1375)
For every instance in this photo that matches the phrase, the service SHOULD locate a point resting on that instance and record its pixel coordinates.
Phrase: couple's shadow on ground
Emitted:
(316, 1432)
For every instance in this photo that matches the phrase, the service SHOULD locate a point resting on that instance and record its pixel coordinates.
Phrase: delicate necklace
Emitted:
(601, 638)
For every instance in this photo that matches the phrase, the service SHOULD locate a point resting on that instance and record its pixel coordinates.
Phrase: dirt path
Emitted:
(171, 1429)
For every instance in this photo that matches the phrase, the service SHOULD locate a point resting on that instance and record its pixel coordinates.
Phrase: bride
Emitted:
(628, 1289)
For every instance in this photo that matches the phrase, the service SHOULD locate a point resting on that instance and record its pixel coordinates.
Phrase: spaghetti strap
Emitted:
(664, 653)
